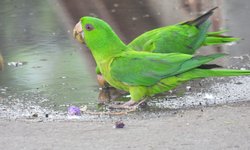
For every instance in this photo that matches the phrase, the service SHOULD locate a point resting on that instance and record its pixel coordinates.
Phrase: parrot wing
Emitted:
(184, 37)
(147, 69)
(180, 38)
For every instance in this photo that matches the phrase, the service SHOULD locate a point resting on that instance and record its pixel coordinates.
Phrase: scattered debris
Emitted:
(188, 88)
(208, 96)
(16, 64)
(119, 124)
(73, 110)
(35, 115)
(63, 77)
(238, 83)
(84, 108)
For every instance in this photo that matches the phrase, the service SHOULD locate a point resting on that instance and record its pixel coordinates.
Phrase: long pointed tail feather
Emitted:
(214, 38)
(200, 20)
(216, 33)
(171, 82)
(203, 73)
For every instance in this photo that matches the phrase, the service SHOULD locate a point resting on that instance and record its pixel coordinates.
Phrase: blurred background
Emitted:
(44, 67)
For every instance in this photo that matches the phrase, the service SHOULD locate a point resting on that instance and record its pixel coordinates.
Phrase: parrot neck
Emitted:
(104, 49)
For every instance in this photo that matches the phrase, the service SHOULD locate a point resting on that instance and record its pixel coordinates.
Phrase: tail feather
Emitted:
(203, 73)
(216, 33)
(212, 38)
(200, 20)
(171, 82)
(202, 24)
(219, 39)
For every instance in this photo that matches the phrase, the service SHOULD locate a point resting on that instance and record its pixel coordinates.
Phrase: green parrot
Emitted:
(143, 74)
(184, 37)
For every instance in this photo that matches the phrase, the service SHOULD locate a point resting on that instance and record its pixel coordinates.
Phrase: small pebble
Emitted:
(119, 124)
(188, 88)
(35, 115)
(238, 83)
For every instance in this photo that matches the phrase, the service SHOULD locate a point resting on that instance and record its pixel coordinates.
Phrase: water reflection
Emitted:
(32, 32)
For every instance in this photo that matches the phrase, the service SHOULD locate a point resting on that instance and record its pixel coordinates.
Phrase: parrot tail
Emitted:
(200, 20)
(214, 38)
(203, 73)
(171, 82)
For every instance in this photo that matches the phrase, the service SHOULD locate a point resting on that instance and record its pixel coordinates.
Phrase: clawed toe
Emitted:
(131, 105)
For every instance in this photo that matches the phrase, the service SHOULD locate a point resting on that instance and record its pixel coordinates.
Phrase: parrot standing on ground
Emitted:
(184, 37)
(143, 73)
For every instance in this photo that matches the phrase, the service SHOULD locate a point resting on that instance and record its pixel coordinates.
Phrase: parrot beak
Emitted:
(78, 32)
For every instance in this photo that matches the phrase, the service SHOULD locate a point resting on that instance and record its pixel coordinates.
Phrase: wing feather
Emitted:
(146, 69)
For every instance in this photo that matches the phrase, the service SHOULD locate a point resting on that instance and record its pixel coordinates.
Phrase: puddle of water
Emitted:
(31, 32)
(51, 73)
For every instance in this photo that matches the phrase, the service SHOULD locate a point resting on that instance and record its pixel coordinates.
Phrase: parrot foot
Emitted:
(131, 105)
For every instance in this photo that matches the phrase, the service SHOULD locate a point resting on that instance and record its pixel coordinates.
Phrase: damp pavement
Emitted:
(220, 127)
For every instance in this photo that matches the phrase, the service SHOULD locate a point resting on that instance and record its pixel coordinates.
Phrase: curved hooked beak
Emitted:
(78, 33)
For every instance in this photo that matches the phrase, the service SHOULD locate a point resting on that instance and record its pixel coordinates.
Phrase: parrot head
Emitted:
(95, 33)
(90, 29)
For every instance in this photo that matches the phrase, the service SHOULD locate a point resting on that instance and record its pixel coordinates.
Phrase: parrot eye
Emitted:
(89, 27)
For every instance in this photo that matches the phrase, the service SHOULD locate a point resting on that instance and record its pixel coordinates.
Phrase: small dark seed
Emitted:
(119, 124)
(35, 115)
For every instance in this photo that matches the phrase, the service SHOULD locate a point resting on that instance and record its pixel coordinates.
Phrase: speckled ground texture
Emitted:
(221, 127)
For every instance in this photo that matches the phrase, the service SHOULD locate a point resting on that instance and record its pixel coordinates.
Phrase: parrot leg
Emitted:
(102, 82)
(137, 94)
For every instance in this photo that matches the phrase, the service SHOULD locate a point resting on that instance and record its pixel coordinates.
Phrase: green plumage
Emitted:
(184, 37)
(143, 73)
